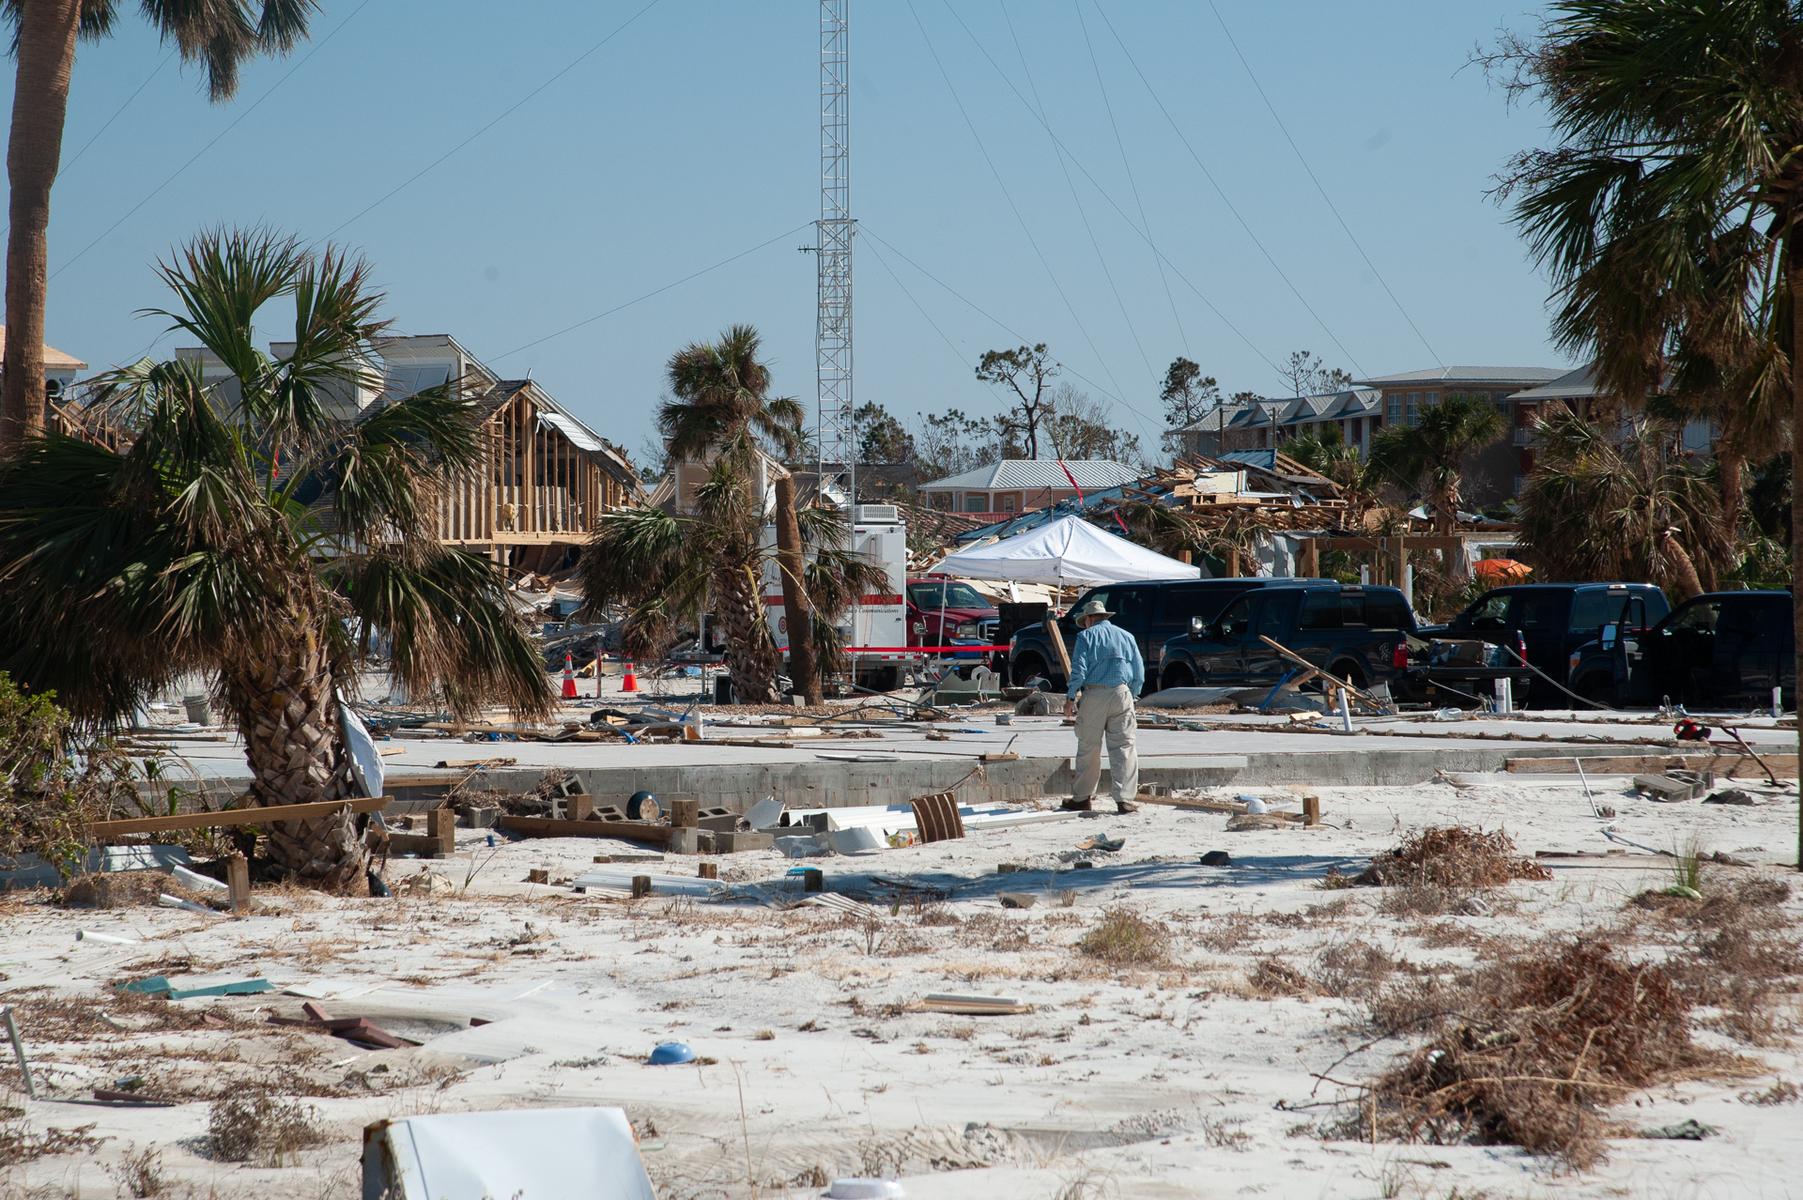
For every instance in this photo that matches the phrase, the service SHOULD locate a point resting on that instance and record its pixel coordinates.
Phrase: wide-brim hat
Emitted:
(1095, 608)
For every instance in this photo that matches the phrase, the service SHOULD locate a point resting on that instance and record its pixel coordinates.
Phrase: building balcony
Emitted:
(1525, 436)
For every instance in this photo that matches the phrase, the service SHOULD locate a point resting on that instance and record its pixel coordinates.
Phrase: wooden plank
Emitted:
(548, 827)
(1784, 765)
(236, 816)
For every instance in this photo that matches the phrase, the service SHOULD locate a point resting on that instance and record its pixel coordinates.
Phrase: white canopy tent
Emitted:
(1069, 551)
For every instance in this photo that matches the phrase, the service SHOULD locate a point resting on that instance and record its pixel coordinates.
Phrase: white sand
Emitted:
(1174, 1082)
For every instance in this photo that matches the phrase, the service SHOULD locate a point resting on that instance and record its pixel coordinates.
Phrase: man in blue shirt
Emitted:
(1106, 674)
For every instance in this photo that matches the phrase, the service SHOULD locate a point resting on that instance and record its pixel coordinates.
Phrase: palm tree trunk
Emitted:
(750, 652)
(1683, 569)
(1795, 258)
(797, 610)
(1731, 462)
(287, 714)
(46, 53)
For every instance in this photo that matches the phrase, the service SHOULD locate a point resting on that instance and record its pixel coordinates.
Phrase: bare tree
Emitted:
(1308, 378)
(1028, 373)
(1081, 427)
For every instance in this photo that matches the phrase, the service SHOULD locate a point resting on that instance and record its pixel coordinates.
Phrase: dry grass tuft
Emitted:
(1351, 969)
(1228, 933)
(260, 1130)
(18, 1144)
(1452, 856)
(993, 931)
(1271, 977)
(1123, 938)
(1533, 1049)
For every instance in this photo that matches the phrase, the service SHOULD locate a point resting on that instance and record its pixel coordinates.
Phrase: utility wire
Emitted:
(1072, 185)
(573, 63)
(1122, 213)
(115, 116)
(1132, 183)
(1012, 206)
(864, 228)
(1311, 175)
(926, 316)
(1219, 191)
(305, 59)
(656, 292)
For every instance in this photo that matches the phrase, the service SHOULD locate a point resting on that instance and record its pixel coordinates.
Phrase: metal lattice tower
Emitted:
(832, 338)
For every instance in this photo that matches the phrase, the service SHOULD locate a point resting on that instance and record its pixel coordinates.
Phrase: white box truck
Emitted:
(875, 629)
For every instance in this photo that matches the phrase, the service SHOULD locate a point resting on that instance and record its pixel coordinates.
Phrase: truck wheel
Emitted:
(1026, 667)
(1599, 688)
(1352, 673)
(1177, 676)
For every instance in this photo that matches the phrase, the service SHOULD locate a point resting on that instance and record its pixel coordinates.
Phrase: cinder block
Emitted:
(720, 820)
(734, 843)
(685, 841)
(479, 816)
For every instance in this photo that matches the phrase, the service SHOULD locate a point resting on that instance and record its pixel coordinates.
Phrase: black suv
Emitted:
(1720, 650)
(1359, 634)
(1152, 612)
(1548, 621)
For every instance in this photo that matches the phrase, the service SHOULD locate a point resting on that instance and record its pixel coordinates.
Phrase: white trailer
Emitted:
(875, 629)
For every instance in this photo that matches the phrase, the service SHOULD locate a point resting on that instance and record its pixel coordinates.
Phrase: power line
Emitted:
(657, 292)
(1311, 175)
(305, 59)
(864, 228)
(1072, 185)
(1219, 191)
(1010, 199)
(573, 63)
(1132, 183)
(116, 114)
(1121, 212)
(927, 317)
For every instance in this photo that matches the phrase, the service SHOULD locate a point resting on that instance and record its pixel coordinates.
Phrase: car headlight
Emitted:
(968, 629)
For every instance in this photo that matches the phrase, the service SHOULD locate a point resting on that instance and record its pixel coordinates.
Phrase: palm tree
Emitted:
(247, 534)
(218, 34)
(1429, 454)
(1606, 504)
(1678, 177)
(667, 568)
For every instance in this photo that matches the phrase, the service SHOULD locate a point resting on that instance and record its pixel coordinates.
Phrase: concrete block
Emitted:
(1665, 789)
(685, 841)
(720, 820)
(734, 843)
(704, 842)
(481, 816)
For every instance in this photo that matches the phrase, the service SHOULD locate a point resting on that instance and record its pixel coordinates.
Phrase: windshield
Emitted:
(956, 595)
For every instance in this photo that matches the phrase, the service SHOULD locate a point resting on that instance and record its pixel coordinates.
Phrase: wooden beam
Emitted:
(633, 831)
(99, 830)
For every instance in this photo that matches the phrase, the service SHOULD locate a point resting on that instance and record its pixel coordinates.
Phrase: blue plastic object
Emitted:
(671, 1053)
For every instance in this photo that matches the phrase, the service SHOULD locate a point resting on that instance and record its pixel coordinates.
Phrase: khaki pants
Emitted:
(1106, 714)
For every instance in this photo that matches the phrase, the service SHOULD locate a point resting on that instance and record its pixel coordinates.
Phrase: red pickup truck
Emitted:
(944, 612)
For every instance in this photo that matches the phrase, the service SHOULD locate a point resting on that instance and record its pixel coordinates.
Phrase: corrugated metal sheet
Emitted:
(1030, 474)
(579, 434)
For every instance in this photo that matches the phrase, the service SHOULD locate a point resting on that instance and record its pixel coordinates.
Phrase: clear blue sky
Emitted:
(692, 136)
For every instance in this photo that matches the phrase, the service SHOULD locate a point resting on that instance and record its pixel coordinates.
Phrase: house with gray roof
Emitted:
(1016, 485)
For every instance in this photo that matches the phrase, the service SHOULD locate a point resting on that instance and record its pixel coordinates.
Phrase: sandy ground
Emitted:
(1177, 1080)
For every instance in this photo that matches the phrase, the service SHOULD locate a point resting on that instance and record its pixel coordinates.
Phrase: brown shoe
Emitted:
(1077, 805)
(1121, 806)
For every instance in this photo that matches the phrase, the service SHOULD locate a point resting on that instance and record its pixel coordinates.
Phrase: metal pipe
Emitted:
(12, 1031)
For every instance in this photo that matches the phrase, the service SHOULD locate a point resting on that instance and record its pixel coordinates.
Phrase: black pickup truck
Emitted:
(1364, 635)
(1153, 612)
(1547, 622)
(1720, 650)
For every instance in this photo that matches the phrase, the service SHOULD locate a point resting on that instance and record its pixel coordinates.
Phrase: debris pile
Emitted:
(1529, 1052)
(1451, 856)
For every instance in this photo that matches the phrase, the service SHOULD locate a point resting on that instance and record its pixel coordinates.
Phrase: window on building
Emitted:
(1356, 431)
(1429, 399)
(1501, 400)
(1393, 406)
(1411, 408)
(976, 502)
(1009, 503)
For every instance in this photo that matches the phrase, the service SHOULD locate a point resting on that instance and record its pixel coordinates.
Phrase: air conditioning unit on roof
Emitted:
(875, 514)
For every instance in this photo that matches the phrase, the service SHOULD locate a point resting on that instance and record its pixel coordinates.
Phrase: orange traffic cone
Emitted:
(569, 680)
(632, 680)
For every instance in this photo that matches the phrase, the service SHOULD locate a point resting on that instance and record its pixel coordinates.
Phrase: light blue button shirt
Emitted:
(1106, 656)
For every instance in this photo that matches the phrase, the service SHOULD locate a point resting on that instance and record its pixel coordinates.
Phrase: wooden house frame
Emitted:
(546, 478)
